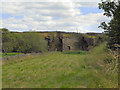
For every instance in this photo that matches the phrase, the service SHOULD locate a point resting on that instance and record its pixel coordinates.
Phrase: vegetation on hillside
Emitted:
(103, 62)
(28, 42)
(23, 42)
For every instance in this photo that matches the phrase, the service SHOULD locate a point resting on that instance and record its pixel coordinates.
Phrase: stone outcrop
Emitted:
(69, 43)
(73, 43)
(76, 43)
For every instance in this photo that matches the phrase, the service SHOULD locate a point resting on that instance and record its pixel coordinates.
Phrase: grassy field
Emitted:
(8, 54)
(60, 70)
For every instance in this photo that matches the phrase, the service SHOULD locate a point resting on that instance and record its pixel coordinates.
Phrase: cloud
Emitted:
(64, 16)
(50, 0)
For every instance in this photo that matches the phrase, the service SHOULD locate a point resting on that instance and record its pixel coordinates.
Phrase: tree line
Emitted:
(22, 42)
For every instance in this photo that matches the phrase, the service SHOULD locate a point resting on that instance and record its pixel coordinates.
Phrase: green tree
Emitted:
(112, 29)
(7, 41)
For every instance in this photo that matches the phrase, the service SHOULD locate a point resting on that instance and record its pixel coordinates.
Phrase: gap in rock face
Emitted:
(60, 44)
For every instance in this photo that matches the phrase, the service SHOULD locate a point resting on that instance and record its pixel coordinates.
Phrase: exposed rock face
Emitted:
(74, 43)
(69, 43)
(91, 41)
(77, 43)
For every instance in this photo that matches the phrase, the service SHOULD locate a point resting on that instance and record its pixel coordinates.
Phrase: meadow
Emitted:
(60, 70)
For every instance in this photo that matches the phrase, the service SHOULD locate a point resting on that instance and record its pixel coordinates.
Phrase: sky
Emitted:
(52, 15)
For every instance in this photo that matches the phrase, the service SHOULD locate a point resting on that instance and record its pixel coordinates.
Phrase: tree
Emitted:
(7, 41)
(112, 29)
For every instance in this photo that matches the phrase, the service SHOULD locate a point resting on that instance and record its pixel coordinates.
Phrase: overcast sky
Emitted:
(52, 15)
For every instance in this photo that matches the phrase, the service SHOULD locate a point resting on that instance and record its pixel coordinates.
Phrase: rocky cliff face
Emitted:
(69, 43)
(76, 43)
(64, 43)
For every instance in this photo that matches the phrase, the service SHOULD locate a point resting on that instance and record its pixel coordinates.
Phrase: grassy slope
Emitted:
(59, 70)
(95, 62)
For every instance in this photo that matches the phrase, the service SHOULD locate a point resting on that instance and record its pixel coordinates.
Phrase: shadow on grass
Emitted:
(76, 52)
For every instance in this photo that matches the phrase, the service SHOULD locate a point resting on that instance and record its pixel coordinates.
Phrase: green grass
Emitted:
(59, 70)
(8, 54)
